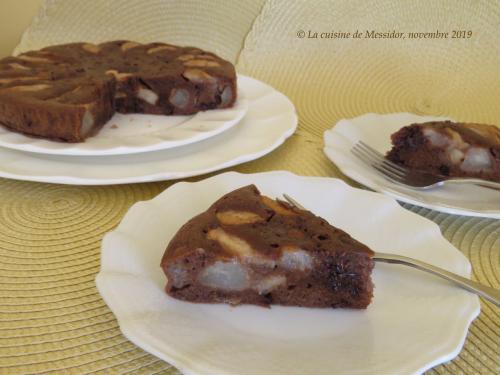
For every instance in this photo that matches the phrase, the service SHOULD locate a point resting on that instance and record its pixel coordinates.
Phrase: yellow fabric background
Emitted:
(15, 17)
(51, 316)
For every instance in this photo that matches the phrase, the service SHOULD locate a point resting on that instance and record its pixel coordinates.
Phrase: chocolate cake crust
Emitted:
(67, 92)
(249, 249)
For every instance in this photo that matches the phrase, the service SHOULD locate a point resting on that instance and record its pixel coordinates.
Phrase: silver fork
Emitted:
(402, 175)
(491, 294)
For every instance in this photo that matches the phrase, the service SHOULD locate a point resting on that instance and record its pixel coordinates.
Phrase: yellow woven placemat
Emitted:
(51, 316)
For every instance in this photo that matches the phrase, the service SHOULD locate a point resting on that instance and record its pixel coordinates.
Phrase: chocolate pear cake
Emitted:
(449, 149)
(67, 92)
(250, 249)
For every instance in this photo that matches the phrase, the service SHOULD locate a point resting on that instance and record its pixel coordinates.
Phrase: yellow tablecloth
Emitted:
(51, 316)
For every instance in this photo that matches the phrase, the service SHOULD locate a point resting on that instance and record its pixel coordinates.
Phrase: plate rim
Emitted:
(292, 124)
(132, 332)
(368, 182)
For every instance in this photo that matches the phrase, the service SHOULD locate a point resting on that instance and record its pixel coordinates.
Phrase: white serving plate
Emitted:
(415, 321)
(135, 133)
(269, 121)
(375, 130)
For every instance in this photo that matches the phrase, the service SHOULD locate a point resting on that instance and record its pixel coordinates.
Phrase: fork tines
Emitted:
(378, 161)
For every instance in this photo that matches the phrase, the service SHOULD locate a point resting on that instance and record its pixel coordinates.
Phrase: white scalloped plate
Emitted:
(269, 121)
(375, 130)
(135, 133)
(415, 321)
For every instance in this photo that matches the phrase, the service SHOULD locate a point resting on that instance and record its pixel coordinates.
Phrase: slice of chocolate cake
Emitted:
(67, 92)
(250, 249)
(449, 149)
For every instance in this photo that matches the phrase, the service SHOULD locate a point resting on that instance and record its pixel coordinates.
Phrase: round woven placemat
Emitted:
(51, 317)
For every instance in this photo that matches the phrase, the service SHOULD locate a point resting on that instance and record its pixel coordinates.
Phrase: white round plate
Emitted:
(415, 321)
(134, 133)
(375, 130)
(269, 121)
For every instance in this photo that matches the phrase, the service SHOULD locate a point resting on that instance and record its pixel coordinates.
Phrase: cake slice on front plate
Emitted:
(250, 249)
(449, 149)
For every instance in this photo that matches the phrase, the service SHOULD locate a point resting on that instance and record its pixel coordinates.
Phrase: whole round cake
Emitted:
(67, 92)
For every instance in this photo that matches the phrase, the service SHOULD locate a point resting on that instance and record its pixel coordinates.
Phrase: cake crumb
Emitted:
(114, 126)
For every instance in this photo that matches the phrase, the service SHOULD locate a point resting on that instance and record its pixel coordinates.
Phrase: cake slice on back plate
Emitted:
(449, 149)
(250, 249)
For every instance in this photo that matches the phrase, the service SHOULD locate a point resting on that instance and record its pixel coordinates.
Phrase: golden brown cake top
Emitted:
(245, 223)
(60, 72)
(474, 133)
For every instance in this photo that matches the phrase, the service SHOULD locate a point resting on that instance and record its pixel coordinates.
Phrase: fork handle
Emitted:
(476, 181)
(491, 294)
